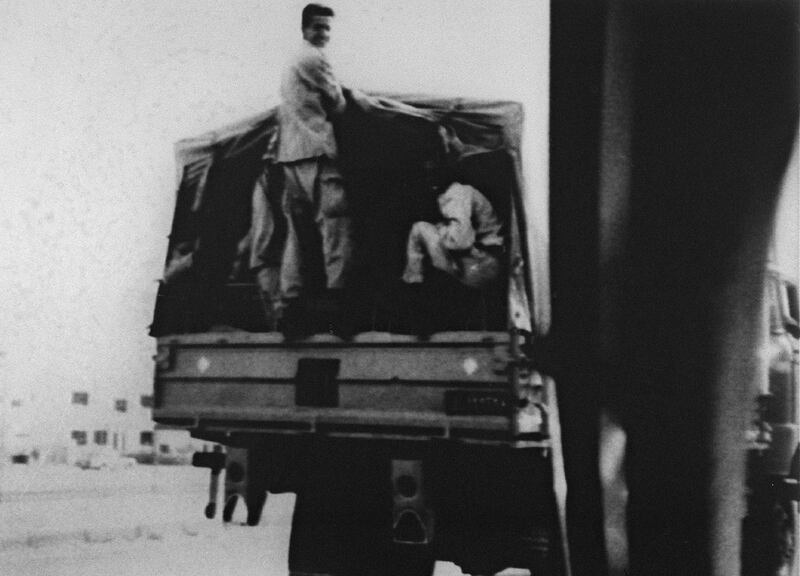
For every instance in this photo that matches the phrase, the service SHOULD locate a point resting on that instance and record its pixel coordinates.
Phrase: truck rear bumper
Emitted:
(377, 387)
(379, 425)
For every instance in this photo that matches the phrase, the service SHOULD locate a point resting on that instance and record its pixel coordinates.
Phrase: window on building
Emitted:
(147, 401)
(121, 405)
(79, 436)
(163, 448)
(101, 437)
(81, 398)
(146, 438)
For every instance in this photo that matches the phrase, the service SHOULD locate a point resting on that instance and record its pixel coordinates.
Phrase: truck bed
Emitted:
(379, 385)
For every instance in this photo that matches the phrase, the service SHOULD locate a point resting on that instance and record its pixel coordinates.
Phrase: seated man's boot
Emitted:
(343, 319)
(418, 307)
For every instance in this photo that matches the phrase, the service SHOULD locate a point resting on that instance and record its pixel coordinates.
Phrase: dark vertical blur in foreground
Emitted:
(671, 127)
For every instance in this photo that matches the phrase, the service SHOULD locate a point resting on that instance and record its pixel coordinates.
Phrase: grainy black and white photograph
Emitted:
(399, 288)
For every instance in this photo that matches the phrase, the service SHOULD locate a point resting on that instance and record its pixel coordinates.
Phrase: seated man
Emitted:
(466, 245)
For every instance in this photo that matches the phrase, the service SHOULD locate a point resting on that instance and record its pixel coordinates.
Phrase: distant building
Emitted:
(87, 423)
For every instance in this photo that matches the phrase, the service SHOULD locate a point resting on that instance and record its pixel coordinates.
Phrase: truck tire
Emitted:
(782, 550)
(227, 510)
(769, 537)
(410, 560)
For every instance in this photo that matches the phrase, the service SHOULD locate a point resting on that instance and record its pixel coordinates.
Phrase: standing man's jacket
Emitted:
(309, 93)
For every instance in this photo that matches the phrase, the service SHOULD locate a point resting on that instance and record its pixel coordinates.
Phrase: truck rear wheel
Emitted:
(769, 538)
(410, 560)
(782, 550)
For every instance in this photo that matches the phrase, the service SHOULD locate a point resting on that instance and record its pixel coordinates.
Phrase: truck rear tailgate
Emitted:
(454, 386)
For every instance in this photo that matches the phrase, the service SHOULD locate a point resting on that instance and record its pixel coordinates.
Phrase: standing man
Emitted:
(314, 194)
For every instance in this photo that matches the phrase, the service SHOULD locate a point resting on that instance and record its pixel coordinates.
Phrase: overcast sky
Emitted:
(95, 95)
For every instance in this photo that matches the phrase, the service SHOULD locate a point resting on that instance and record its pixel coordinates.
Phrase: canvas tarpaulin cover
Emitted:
(385, 143)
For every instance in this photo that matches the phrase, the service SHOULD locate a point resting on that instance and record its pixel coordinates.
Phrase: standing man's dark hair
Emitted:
(312, 10)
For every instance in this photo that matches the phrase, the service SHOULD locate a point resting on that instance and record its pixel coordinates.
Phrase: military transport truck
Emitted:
(427, 432)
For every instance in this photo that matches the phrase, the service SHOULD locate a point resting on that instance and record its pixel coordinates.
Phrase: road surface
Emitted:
(61, 521)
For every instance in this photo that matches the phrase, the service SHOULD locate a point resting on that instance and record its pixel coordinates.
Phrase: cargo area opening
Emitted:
(221, 248)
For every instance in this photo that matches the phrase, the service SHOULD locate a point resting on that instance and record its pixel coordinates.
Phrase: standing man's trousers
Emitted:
(314, 192)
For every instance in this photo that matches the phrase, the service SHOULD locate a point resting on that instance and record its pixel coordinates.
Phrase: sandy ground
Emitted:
(211, 550)
(147, 521)
(50, 504)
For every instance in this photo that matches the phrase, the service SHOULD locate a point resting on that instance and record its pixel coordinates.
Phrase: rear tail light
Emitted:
(530, 414)
(165, 358)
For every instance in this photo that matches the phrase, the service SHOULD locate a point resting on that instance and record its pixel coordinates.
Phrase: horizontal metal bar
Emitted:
(180, 422)
(489, 385)
(390, 430)
(255, 424)
(222, 343)
(481, 434)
